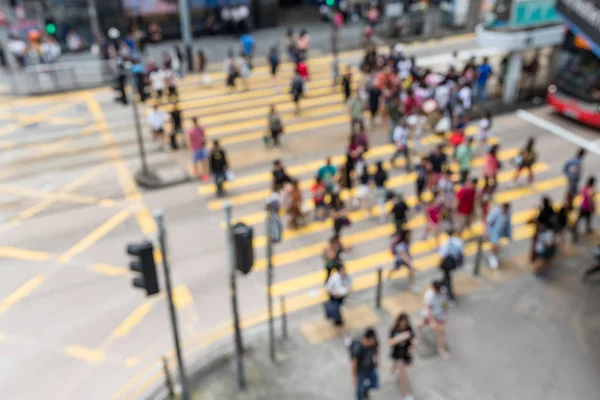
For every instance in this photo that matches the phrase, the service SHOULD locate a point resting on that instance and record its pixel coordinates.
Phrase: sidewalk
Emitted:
(506, 337)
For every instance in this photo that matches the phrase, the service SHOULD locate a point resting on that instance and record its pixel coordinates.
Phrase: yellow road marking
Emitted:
(362, 236)
(85, 353)
(72, 198)
(128, 185)
(36, 118)
(51, 148)
(23, 254)
(109, 270)
(63, 193)
(382, 258)
(22, 292)
(261, 195)
(182, 296)
(132, 362)
(2, 337)
(132, 319)
(97, 234)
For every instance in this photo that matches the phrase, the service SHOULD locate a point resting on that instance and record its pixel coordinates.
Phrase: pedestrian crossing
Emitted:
(239, 120)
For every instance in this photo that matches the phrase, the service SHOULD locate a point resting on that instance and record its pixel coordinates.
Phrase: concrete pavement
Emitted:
(511, 336)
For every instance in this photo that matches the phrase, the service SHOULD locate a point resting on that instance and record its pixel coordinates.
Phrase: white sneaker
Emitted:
(494, 262)
(347, 341)
(409, 397)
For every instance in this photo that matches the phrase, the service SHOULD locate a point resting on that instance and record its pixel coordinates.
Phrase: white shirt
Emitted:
(404, 68)
(157, 78)
(225, 14)
(401, 136)
(442, 96)
(244, 11)
(484, 128)
(420, 122)
(50, 51)
(74, 42)
(17, 47)
(157, 119)
(437, 302)
(338, 286)
(453, 247)
(465, 95)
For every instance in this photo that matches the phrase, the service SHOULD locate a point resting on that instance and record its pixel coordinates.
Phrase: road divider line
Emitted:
(86, 354)
(132, 320)
(23, 254)
(97, 234)
(22, 292)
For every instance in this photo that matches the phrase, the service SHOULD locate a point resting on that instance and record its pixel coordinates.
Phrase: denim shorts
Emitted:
(199, 155)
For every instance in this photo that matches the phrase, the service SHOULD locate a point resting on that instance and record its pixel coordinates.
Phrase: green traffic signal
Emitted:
(50, 29)
(329, 2)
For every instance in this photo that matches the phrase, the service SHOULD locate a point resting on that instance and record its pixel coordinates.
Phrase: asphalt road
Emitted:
(69, 319)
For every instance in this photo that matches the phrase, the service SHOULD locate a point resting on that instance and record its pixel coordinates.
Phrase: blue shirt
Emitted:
(484, 73)
(326, 174)
(247, 42)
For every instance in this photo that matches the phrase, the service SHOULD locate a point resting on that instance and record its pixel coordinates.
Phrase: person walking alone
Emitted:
(525, 160)
(573, 171)
(275, 126)
(498, 225)
(464, 156)
(197, 143)
(435, 314)
(274, 63)
(338, 287)
(380, 178)
(452, 256)
(491, 166)
(218, 167)
(587, 208)
(401, 137)
(401, 252)
(401, 342)
(365, 361)
(297, 90)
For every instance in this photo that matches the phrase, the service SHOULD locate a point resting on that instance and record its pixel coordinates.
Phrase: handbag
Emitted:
(229, 177)
(331, 310)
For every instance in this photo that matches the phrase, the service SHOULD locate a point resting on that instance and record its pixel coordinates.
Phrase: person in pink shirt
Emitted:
(491, 165)
(465, 205)
(197, 143)
(587, 208)
(434, 215)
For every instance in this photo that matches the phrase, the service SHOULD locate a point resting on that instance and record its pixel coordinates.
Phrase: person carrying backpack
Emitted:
(573, 171)
(365, 360)
(275, 126)
(297, 90)
(452, 257)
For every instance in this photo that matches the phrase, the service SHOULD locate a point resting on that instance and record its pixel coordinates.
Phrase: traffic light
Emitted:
(330, 3)
(244, 252)
(50, 26)
(144, 252)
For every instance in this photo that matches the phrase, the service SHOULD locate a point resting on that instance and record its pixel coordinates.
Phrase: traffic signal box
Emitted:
(145, 266)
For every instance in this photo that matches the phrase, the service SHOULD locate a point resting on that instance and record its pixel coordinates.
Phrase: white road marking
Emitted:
(591, 146)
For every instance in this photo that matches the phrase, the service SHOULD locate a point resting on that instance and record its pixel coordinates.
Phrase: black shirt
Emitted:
(280, 177)
(176, 117)
(380, 178)
(364, 356)
(399, 211)
(400, 351)
(437, 162)
(365, 178)
(218, 161)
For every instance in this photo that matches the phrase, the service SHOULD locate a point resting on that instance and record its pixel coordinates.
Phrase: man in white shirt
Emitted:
(156, 121)
(452, 255)
(157, 80)
(18, 49)
(465, 94)
(338, 287)
(401, 136)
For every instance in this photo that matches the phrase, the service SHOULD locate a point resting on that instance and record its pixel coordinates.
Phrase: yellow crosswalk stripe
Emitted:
(361, 215)
(311, 167)
(258, 195)
(352, 239)
(382, 258)
(188, 94)
(305, 300)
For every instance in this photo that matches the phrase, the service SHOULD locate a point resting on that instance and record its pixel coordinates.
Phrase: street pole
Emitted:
(11, 63)
(186, 32)
(234, 306)
(93, 17)
(138, 126)
(270, 281)
(159, 217)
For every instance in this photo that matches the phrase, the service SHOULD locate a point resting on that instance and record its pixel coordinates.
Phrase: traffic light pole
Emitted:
(270, 281)
(159, 217)
(186, 32)
(234, 305)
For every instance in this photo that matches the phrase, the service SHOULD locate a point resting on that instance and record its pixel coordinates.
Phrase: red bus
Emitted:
(575, 92)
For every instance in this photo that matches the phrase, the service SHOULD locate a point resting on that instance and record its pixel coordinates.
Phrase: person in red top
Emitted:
(318, 190)
(465, 205)
(302, 69)
(197, 143)
(410, 103)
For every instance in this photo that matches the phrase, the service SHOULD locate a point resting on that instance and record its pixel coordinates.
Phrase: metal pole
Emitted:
(186, 32)
(93, 17)
(284, 326)
(378, 289)
(168, 381)
(479, 256)
(138, 127)
(159, 217)
(270, 281)
(234, 306)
